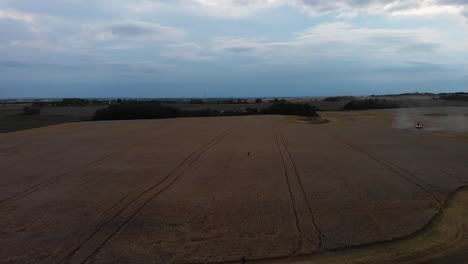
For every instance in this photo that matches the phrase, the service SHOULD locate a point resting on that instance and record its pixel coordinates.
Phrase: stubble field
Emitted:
(209, 190)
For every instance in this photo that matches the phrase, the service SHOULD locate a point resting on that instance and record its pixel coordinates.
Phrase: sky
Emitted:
(231, 48)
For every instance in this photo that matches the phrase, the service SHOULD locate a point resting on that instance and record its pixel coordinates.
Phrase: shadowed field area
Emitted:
(208, 190)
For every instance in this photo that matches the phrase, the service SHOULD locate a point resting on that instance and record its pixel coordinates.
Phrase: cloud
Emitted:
(140, 30)
(393, 7)
(14, 15)
(91, 9)
(240, 45)
(342, 8)
(335, 40)
(420, 48)
(465, 12)
(184, 51)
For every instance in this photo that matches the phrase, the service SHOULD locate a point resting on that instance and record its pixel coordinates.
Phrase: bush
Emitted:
(258, 101)
(28, 110)
(285, 108)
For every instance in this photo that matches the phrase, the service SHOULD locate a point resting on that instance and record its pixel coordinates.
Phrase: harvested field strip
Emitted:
(107, 230)
(53, 180)
(443, 240)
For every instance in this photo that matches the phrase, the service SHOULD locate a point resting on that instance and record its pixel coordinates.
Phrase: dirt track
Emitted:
(186, 190)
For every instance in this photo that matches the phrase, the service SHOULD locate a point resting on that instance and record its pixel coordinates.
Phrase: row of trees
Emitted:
(339, 98)
(286, 108)
(156, 110)
(225, 101)
(371, 104)
(455, 97)
(70, 102)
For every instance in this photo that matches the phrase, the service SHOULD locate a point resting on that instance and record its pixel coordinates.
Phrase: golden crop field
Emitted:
(210, 190)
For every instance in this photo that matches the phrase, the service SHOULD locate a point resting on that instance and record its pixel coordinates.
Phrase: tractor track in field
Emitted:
(53, 180)
(57, 178)
(117, 203)
(421, 184)
(298, 227)
(318, 233)
(178, 171)
(410, 177)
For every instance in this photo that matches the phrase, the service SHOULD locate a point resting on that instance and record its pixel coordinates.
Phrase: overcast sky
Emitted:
(230, 48)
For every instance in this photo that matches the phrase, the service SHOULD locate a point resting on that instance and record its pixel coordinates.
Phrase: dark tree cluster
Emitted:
(196, 101)
(136, 111)
(455, 97)
(339, 98)
(28, 110)
(286, 108)
(156, 110)
(371, 104)
(70, 102)
(231, 101)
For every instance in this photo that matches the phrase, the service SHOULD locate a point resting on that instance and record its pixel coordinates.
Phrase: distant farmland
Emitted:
(197, 190)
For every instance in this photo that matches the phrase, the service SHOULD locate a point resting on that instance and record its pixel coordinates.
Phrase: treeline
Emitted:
(455, 97)
(156, 110)
(136, 111)
(339, 98)
(70, 102)
(227, 101)
(371, 104)
(223, 101)
(286, 108)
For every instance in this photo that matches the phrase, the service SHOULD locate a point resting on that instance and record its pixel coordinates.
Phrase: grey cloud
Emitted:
(240, 49)
(185, 51)
(138, 29)
(14, 64)
(465, 13)
(404, 6)
(37, 65)
(68, 9)
(330, 6)
(15, 31)
(454, 2)
(134, 30)
(420, 48)
(379, 6)
(64, 66)
(336, 40)
(429, 66)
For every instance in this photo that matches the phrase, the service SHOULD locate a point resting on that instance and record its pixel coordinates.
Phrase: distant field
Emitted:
(12, 119)
(209, 190)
